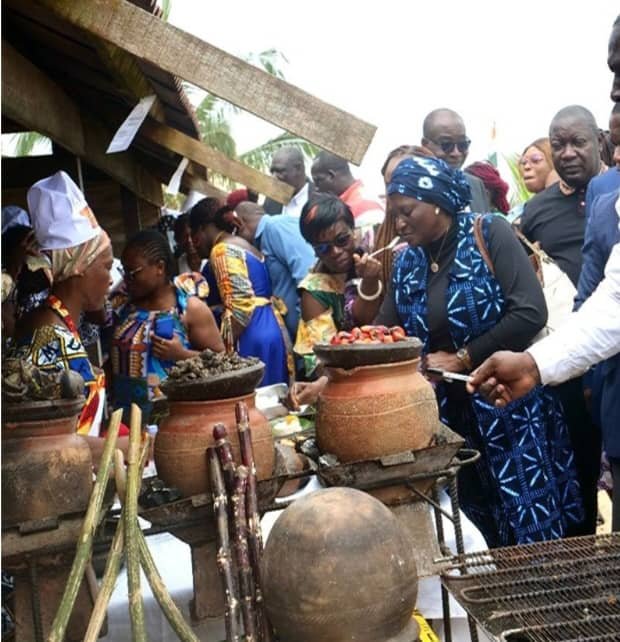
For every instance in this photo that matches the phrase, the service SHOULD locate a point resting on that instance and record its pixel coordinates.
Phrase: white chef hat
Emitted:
(60, 215)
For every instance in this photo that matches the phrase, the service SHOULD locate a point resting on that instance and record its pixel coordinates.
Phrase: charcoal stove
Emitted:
(560, 590)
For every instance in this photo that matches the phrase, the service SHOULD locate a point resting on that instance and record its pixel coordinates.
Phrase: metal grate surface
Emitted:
(560, 590)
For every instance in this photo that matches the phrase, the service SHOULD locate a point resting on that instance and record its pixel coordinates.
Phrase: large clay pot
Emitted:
(338, 566)
(186, 433)
(372, 411)
(46, 466)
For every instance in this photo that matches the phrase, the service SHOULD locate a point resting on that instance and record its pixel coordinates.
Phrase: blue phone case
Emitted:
(164, 327)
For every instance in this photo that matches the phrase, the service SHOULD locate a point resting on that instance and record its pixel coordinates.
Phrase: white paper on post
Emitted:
(175, 181)
(128, 130)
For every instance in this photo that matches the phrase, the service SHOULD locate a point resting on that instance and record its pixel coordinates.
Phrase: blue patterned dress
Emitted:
(524, 488)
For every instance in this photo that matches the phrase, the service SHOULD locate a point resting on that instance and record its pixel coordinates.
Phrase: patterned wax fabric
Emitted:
(245, 295)
(336, 293)
(524, 488)
(433, 181)
(55, 347)
(137, 374)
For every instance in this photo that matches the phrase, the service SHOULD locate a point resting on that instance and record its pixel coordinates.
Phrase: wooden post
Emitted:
(178, 52)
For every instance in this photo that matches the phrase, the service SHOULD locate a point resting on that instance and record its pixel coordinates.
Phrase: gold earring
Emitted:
(437, 211)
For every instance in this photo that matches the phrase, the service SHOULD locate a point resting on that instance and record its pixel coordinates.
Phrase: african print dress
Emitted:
(137, 373)
(524, 487)
(245, 295)
(59, 347)
(336, 292)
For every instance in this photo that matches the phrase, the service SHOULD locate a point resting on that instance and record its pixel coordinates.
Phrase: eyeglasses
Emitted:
(532, 159)
(342, 240)
(130, 275)
(447, 145)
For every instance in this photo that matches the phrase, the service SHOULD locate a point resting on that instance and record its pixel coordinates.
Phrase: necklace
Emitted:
(434, 265)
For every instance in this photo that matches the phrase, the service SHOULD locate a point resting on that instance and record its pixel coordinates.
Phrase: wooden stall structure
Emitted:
(74, 69)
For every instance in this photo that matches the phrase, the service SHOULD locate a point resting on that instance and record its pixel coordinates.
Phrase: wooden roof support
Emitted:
(216, 161)
(30, 98)
(220, 73)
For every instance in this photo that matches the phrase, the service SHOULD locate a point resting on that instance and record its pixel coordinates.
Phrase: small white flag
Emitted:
(128, 130)
(175, 181)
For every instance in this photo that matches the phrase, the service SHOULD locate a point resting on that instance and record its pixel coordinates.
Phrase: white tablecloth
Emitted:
(173, 560)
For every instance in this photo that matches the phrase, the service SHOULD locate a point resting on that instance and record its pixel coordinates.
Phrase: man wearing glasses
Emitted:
(443, 133)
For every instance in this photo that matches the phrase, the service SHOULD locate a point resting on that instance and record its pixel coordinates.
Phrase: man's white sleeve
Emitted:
(589, 336)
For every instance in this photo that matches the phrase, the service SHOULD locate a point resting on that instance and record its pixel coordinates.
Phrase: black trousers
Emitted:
(585, 438)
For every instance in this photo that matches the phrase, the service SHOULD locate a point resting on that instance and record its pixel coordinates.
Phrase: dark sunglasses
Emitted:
(341, 240)
(447, 145)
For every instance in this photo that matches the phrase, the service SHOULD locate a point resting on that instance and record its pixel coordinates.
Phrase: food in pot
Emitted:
(209, 364)
(369, 334)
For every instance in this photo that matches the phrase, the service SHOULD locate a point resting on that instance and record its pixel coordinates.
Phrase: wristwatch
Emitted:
(463, 356)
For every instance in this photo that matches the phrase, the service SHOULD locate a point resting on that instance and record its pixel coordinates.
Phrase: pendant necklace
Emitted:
(434, 265)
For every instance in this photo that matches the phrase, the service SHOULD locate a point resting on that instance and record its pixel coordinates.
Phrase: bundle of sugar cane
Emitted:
(128, 541)
(238, 520)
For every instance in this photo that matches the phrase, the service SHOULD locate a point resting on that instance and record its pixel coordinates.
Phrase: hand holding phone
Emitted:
(164, 327)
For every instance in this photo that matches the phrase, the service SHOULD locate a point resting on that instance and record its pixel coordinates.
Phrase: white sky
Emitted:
(391, 62)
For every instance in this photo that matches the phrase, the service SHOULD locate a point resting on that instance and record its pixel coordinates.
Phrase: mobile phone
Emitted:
(164, 327)
(448, 376)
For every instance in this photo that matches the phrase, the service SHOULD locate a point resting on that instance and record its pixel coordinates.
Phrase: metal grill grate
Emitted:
(560, 590)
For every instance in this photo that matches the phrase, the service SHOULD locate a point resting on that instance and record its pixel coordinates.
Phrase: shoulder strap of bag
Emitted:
(533, 247)
(482, 246)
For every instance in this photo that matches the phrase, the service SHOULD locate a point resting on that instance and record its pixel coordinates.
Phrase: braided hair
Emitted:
(154, 247)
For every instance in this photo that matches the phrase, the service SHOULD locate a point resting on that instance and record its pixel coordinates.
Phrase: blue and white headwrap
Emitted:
(433, 181)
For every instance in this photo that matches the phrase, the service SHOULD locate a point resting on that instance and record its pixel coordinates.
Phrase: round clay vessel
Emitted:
(187, 431)
(372, 411)
(338, 566)
(46, 466)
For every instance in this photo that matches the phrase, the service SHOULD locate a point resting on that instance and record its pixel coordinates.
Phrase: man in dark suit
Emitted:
(443, 133)
(288, 165)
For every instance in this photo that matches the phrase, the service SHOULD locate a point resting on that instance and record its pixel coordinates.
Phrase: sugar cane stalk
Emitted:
(110, 575)
(255, 537)
(224, 556)
(85, 542)
(224, 452)
(244, 569)
(170, 609)
(134, 475)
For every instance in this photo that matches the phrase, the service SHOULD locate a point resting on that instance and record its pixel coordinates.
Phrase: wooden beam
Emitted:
(216, 161)
(202, 185)
(220, 73)
(30, 98)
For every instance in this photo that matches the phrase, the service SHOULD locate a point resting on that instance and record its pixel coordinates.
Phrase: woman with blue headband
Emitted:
(465, 298)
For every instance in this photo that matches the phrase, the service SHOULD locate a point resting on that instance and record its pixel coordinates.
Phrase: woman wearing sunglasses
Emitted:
(344, 288)
(536, 166)
(464, 287)
(158, 321)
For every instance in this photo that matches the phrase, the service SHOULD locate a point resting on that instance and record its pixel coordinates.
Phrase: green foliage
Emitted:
(166, 6)
(24, 143)
(260, 157)
(520, 193)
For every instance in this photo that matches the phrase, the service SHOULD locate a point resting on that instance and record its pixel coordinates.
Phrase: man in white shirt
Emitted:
(589, 336)
(288, 166)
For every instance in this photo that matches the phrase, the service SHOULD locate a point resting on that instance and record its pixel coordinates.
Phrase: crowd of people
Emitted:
(272, 280)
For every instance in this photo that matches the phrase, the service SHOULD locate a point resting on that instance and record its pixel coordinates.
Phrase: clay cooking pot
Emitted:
(371, 411)
(338, 566)
(186, 433)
